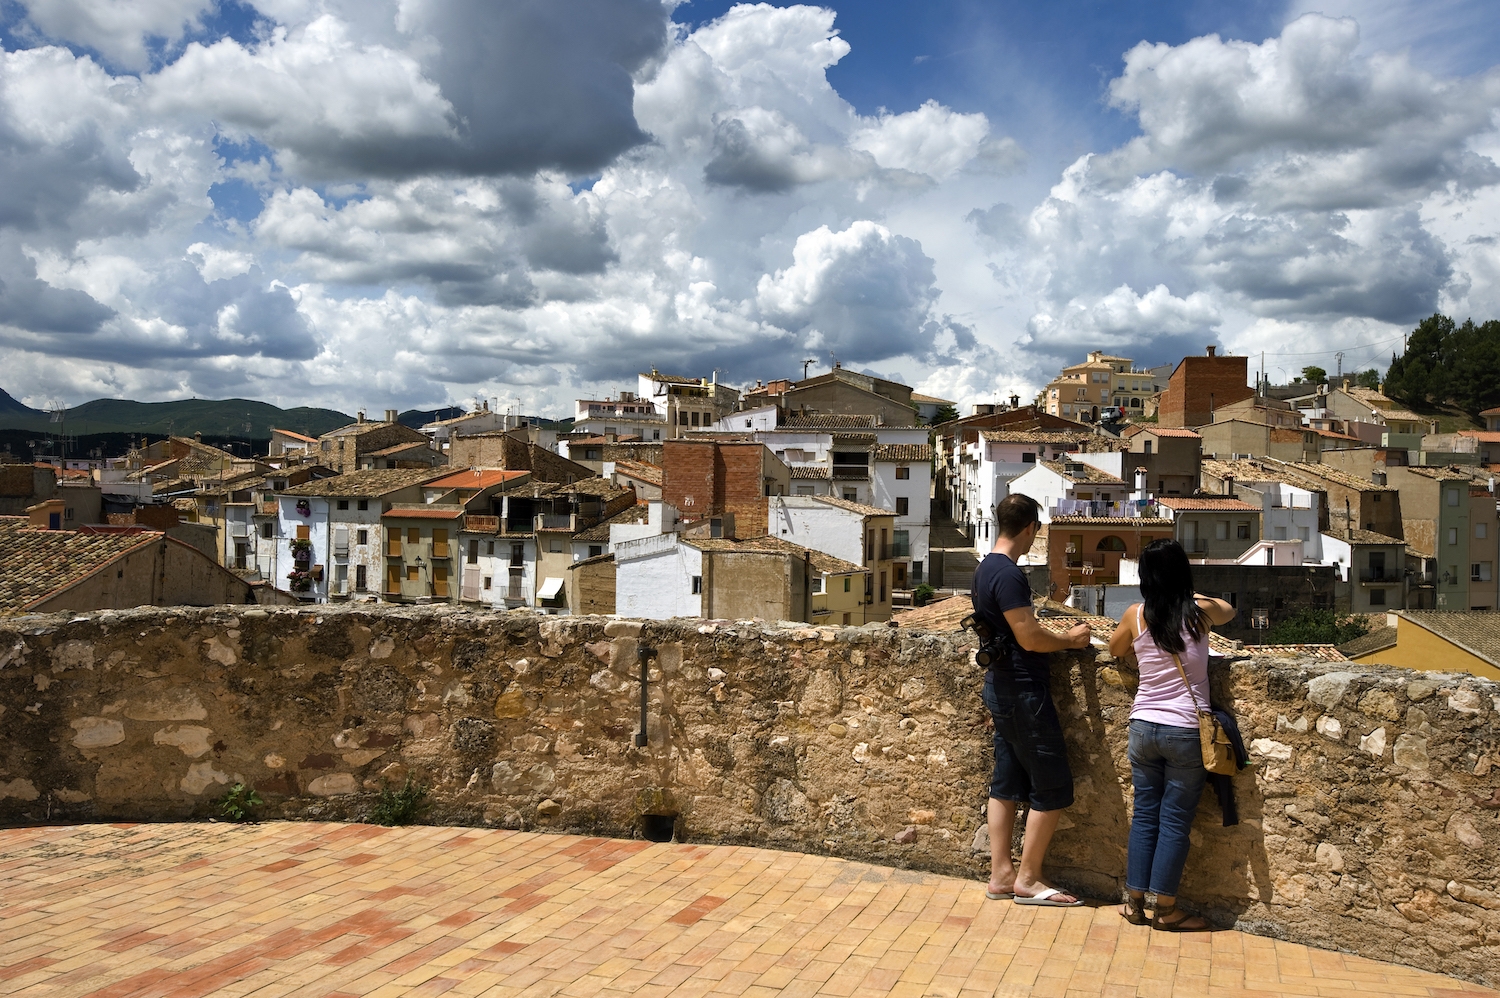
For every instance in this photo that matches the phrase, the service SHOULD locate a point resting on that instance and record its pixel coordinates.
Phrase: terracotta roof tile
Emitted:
(1379, 639)
(811, 472)
(476, 478)
(1036, 436)
(423, 511)
(641, 471)
(36, 563)
(366, 484)
(828, 421)
(1113, 521)
(853, 507)
(1194, 502)
(825, 563)
(1085, 473)
(904, 453)
(600, 531)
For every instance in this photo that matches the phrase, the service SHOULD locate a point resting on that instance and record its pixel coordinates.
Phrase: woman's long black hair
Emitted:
(1167, 590)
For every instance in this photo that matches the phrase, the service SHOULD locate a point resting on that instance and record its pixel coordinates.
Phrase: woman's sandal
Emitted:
(1135, 910)
(1181, 925)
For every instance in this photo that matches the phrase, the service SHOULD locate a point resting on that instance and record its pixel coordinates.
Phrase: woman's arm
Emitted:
(1218, 611)
(1124, 637)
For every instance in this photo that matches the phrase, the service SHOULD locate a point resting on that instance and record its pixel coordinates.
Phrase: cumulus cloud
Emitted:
(863, 294)
(1281, 181)
(121, 32)
(933, 140)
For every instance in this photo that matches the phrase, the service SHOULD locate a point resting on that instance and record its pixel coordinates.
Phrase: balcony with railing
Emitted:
(479, 524)
(555, 521)
(1124, 509)
(1379, 577)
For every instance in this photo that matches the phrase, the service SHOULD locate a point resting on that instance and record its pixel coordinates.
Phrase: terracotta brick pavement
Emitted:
(298, 909)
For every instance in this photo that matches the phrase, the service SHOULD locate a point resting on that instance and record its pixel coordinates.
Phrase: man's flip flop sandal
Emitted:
(1047, 899)
(999, 895)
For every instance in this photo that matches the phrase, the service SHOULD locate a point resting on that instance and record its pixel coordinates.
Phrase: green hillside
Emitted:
(219, 418)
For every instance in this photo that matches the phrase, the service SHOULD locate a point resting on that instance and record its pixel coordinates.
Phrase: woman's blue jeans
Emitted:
(1166, 768)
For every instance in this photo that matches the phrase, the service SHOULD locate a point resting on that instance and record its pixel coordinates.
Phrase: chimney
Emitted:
(1140, 484)
(1015, 401)
(1229, 486)
(198, 436)
(1211, 350)
(390, 415)
(359, 417)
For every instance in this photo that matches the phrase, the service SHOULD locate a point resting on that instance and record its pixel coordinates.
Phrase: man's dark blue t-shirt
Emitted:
(1000, 585)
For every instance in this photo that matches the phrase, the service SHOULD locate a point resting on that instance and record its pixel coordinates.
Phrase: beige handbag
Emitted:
(1218, 752)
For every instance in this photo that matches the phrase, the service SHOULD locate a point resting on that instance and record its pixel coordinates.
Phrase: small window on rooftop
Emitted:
(343, 504)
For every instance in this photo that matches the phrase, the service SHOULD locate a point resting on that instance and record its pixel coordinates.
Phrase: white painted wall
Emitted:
(816, 525)
(654, 578)
(917, 490)
(317, 523)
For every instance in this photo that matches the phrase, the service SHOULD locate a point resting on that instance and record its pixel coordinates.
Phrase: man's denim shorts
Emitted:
(1031, 758)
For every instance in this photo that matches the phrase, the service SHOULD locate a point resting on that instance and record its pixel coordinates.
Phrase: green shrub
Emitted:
(399, 807)
(1316, 627)
(922, 595)
(238, 802)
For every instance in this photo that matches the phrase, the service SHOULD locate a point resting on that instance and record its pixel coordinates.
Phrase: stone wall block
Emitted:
(828, 740)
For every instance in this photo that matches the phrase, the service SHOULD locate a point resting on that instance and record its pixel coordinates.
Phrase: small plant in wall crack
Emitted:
(399, 807)
(239, 803)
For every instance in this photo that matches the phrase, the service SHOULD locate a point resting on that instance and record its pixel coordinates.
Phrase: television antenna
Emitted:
(805, 365)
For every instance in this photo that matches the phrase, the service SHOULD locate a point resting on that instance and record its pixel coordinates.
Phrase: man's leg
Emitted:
(1001, 815)
(1040, 825)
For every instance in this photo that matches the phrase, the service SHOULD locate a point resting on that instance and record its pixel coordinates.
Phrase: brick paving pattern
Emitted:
(330, 910)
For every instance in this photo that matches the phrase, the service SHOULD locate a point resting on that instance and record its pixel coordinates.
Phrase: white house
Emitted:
(1051, 483)
(989, 463)
(903, 484)
(851, 532)
(658, 577)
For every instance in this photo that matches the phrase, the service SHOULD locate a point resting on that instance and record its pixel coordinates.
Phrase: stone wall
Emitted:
(1369, 820)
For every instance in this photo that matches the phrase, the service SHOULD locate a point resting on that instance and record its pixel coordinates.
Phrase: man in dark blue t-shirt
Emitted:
(1031, 759)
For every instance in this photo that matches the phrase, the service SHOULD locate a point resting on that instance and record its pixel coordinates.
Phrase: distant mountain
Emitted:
(418, 418)
(236, 418)
(9, 405)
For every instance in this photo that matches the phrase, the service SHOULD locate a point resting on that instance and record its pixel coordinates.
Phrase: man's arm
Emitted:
(1032, 636)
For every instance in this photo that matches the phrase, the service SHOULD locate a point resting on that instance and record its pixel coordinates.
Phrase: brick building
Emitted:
(709, 478)
(1199, 385)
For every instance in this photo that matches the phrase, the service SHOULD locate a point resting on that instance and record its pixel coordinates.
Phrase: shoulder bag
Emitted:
(1218, 751)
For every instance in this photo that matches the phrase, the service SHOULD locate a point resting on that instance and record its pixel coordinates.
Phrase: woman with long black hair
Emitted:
(1168, 633)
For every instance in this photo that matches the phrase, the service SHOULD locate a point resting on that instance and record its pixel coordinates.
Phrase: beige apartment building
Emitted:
(1081, 390)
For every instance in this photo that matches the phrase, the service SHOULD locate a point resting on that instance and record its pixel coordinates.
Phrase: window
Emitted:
(903, 506)
(240, 550)
(903, 472)
(817, 585)
(851, 495)
(1281, 533)
(1453, 497)
(489, 548)
(656, 434)
(1377, 597)
(1146, 447)
(554, 546)
(1242, 531)
(882, 587)
(804, 490)
(916, 571)
(697, 585)
(1221, 530)
(343, 504)
(1231, 598)
(1452, 535)
(595, 550)
(414, 535)
(695, 419)
(265, 530)
(1481, 530)
(364, 504)
(846, 586)
(1482, 571)
(487, 581)
(361, 578)
(362, 537)
(473, 552)
(1028, 458)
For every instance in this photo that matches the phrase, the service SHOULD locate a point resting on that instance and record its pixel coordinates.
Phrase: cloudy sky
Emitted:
(364, 203)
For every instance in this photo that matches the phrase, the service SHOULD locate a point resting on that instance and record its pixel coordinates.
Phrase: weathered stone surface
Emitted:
(97, 732)
(907, 835)
(192, 739)
(1328, 689)
(333, 785)
(1382, 705)
(1411, 752)
(167, 704)
(549, 808)
(1373, 743)
(834, 740)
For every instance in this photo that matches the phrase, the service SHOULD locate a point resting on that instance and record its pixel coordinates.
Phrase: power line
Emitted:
(1333, 350)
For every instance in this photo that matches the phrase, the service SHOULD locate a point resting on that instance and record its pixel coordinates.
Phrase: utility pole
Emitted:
(805, 365)
(1340, 358)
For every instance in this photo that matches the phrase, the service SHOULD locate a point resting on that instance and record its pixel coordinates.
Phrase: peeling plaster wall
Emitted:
(1370, 818)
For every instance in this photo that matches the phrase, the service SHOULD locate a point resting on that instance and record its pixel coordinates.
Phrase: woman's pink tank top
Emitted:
(1162, 696)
